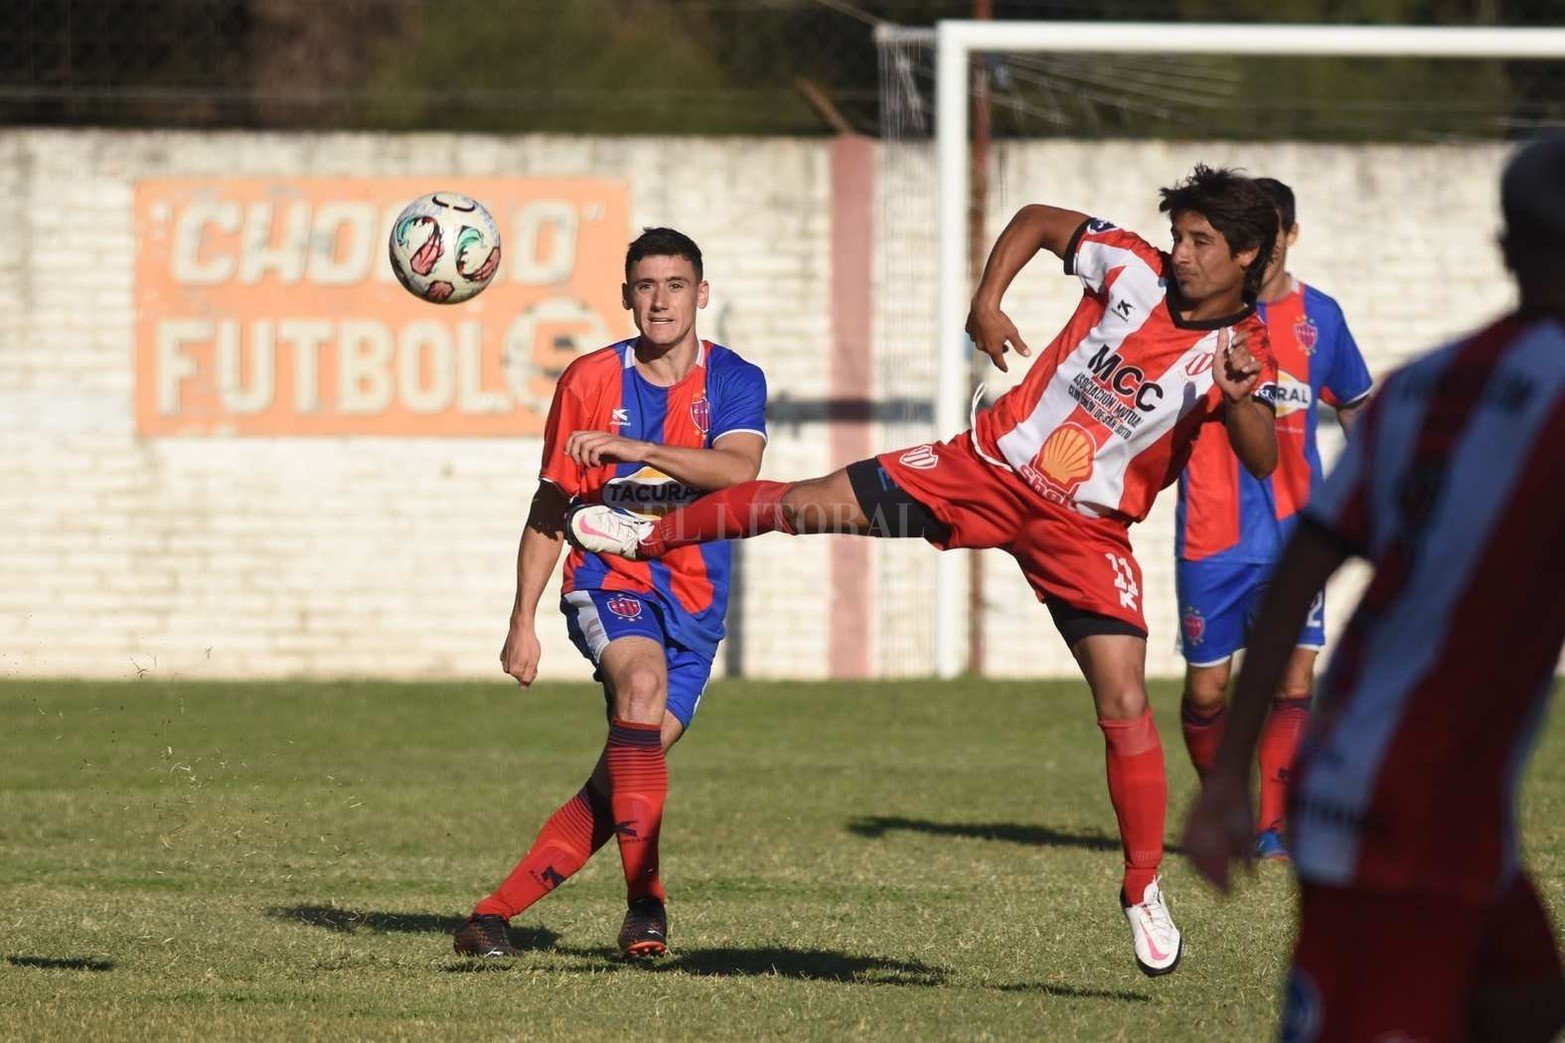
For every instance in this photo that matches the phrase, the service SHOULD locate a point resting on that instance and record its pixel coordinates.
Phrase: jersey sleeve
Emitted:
(1348, 380)
(1341, 507)
(567, 413)
(741, 403)
(1098, 248)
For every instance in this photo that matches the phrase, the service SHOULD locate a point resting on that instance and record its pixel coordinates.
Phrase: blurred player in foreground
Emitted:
(1057, 471)
(1231, 526)
(645, 424)
(1417, 920)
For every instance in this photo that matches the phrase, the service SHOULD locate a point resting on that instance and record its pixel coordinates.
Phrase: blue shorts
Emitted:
(595, 617)
(1217, 603)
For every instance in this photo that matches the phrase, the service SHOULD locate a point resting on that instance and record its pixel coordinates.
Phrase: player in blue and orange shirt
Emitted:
(1231, 526)
(646, 425)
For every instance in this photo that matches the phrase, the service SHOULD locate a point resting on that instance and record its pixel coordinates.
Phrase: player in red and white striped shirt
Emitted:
(1418, 921)
(1057, 471)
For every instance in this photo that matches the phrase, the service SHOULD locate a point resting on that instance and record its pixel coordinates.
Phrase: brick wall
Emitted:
(394, 556)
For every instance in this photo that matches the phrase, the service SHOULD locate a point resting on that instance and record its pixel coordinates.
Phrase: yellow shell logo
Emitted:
(1066, 456)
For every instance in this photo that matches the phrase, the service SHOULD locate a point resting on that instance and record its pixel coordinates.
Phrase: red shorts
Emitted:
(1375, 965)
(1069, 559)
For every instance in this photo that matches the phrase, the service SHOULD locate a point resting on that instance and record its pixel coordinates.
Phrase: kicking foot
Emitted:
(1158, 942)
(483, 936)
(603, 530)
(644, 934)
(1269, 846)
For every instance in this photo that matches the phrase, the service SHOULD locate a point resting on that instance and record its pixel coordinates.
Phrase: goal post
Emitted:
(955, 42)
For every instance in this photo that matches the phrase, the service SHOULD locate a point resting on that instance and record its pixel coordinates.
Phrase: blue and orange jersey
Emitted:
(1223, 510)
(603, 391)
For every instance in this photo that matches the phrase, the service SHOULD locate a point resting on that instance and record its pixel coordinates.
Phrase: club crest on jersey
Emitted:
(701, 414)
(920, 458)
(1200, 364)
(1306, 333)
(648, 493)
(624, 607)
(1193, 625)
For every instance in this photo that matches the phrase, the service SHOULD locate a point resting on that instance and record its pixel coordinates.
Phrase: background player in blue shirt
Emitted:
(1231, 526)
(646, 425)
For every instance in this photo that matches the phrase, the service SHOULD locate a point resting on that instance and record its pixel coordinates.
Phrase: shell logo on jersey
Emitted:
(701, 414)
(649, 493)
(1292, 395)
(1306, 333)
(624, 607)
(1066, 456)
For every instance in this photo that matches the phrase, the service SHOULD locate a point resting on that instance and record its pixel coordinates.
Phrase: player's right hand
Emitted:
(1220, 830)
(991, 330)
(520, 654)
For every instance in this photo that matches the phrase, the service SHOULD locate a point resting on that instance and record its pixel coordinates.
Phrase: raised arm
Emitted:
(733, 458)
(1035, 227)
(1251, 423)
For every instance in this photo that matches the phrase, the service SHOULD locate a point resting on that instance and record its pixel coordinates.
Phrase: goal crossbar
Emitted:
(956, 41)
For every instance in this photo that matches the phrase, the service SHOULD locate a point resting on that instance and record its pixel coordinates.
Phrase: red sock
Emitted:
(1138, 789)
(735, 513)
(638, 780)
(1279, 743)
(1203, 734)
(577, 828)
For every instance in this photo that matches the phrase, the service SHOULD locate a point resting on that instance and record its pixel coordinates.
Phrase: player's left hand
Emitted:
(1220, 829)
(1235, 370)
(596, 448)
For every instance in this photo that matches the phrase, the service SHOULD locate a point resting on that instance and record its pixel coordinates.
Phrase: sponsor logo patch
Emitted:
(648, 493)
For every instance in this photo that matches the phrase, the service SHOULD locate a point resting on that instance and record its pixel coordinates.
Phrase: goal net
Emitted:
(1392, 139)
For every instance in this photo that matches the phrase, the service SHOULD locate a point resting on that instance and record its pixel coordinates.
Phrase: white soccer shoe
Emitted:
(603, 530)
(1159, 944)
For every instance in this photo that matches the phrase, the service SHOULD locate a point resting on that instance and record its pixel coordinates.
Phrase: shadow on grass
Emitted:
(802, 964)
(731, 962)
(877, 826)
(348, 921)
(62, 963)
(1070, 991)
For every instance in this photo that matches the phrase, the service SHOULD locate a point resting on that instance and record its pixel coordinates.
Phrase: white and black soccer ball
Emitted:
(445, 247)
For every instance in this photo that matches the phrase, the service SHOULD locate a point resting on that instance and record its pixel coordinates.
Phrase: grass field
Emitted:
(285, 861)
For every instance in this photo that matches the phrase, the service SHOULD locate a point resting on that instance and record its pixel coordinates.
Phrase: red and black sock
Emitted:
(1203, 734)
(576, 829)
(740, 511)
(638, 786)
(1279, 745)
(1138, 789)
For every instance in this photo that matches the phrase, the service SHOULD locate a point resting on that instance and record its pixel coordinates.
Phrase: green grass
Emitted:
(284, 861)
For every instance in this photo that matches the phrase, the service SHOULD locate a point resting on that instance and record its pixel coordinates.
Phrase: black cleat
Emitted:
(483, 936)
(644, 935)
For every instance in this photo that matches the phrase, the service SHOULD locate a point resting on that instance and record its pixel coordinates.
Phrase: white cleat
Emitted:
(1158, 942)
(603, 530)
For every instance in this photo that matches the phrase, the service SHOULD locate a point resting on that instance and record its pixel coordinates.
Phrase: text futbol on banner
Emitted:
(268, 307)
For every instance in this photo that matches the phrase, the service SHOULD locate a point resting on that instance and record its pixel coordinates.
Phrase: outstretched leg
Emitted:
(812, 506)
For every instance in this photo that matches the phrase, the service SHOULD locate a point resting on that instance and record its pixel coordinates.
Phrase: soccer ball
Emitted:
(445, 247)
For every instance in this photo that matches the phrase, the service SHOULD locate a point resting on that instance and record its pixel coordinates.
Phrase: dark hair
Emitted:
(1282, 200)
(1236, 206)
(663, 242)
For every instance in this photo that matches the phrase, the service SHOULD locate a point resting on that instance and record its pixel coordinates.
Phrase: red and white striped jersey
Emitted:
(1450, 487)
(1107, 415)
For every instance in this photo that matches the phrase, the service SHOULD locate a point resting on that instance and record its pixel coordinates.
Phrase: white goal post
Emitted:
(956, 41)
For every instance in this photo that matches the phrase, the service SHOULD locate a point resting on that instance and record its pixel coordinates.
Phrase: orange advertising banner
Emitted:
(268, 307)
